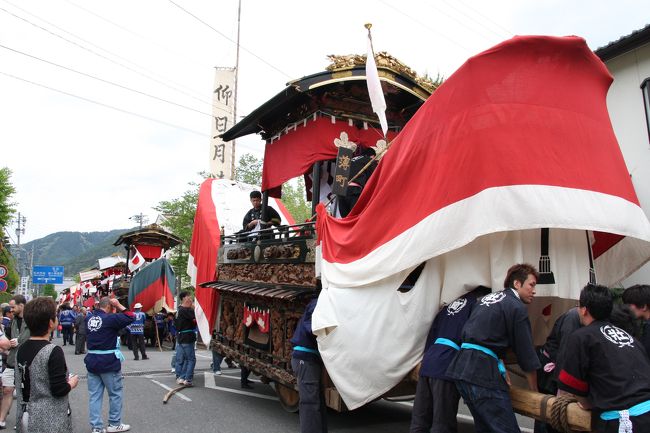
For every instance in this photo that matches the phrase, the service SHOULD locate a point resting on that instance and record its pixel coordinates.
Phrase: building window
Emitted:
(645, 89)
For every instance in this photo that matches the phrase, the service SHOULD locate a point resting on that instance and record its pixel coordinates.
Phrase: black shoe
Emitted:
(246, 385)
(145, 357)
(136, 359)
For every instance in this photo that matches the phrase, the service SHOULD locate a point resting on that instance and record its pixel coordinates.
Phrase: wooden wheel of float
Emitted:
(288, 397)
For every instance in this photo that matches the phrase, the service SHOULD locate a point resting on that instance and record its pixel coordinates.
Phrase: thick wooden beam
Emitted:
(529, 403)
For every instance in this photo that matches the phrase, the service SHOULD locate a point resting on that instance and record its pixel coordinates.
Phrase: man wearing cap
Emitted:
(136, 328)
(104, 363)
(66, 320)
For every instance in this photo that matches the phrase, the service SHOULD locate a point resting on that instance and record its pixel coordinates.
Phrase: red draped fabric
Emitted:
(149, 252)
(294, 153)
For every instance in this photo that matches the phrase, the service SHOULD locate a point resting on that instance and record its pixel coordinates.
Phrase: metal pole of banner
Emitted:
(234, 108)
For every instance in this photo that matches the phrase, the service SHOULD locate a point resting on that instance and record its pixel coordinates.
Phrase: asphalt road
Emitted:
(217, 403)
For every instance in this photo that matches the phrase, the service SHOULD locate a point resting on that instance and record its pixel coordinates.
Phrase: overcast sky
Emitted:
(90, 161)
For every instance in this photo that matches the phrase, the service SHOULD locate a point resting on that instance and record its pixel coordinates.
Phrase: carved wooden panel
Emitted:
(298, 274)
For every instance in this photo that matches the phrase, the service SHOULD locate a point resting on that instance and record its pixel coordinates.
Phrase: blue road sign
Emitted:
(47, 275)
(3, 285)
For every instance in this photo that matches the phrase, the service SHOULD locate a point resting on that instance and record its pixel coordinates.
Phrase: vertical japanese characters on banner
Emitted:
(223, 101)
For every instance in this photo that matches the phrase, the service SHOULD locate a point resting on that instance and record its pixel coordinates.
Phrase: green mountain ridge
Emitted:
(75, 251)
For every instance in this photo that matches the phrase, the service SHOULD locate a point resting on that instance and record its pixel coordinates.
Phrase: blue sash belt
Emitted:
(502, 368)
(306, 349)
(447, 342)
(117, 352)
(623, 415)
(186, 331)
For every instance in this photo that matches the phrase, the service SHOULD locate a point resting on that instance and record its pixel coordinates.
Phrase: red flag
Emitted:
(202, 260)
(224, 203)
(136, 260)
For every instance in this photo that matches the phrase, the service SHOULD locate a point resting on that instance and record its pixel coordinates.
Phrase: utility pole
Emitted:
(234, 108)
(20, 229)
(31, 266)
(140, 219)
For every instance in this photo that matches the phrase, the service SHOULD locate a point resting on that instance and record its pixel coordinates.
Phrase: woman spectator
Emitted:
(43, 373)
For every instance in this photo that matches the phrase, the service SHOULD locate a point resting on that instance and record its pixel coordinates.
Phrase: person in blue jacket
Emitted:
(136, 329)
(498, 321)
(436, 396)
(307, 365)
(104, 363)
(66, 320)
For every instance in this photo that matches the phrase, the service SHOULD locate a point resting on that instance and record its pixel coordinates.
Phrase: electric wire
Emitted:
(149, 77)
(119, 26)
(112, 107)
(508, 31)
(107, 81)
(474, 29)
(121, 110)
(426, 26)
(470, 18)
(230, 39)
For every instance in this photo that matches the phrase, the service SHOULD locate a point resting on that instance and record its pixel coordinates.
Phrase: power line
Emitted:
(426, 26)
(112, 107)
(106, 81)
(121, 110)
(508, 31)
(230, 39)
(119, 26)
(99, 54)
(452, 6)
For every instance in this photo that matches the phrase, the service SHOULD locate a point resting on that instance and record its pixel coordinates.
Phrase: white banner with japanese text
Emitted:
(223, 101)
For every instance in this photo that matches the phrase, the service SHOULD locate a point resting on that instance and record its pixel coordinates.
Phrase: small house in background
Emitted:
(628, 102)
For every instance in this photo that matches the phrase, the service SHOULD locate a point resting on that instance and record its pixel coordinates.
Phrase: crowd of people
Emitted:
(34, 370)
(594, 353)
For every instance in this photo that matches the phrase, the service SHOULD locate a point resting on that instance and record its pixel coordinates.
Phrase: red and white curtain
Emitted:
(517, 140)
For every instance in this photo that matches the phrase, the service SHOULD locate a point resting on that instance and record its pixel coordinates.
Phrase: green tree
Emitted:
(179, 219)
(48, 290)
(294, 198)
(6, 212)
(249, 170)
(6, 191)
(5, 297)
(6, 259)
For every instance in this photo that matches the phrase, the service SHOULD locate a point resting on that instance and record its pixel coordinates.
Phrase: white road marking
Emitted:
(228, 376)
(467, 417)
(179, 394)
(210, 383)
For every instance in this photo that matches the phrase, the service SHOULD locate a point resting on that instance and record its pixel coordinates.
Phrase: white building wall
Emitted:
(625, 104)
